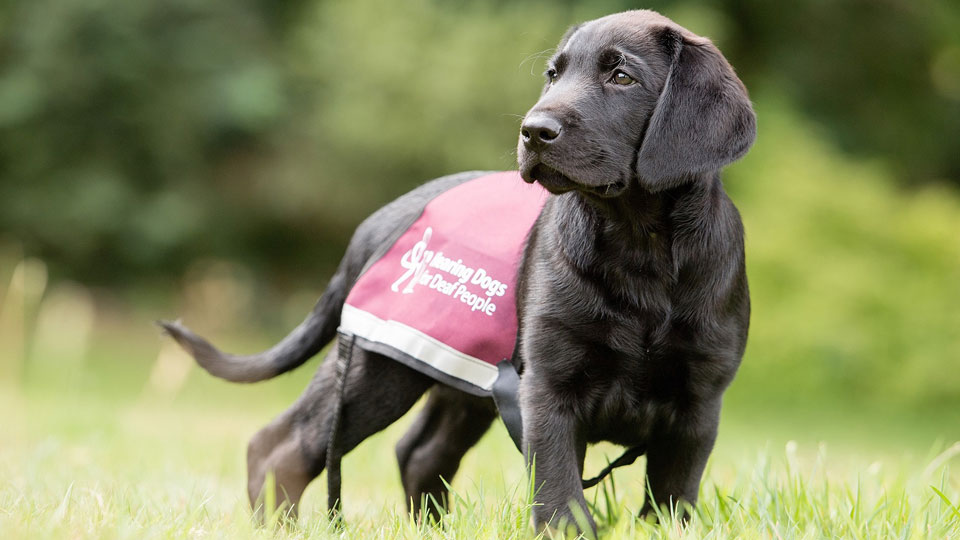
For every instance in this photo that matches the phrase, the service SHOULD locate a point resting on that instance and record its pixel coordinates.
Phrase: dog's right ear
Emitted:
(703, 119)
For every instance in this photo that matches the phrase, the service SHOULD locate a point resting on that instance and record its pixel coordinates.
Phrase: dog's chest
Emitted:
(628, 392)
(608, 288)
(603, 332)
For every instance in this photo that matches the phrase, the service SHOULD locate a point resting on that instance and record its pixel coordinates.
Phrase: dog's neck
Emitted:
(639, 224)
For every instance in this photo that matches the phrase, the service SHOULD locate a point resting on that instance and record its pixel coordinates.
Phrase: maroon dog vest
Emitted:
(442, 297)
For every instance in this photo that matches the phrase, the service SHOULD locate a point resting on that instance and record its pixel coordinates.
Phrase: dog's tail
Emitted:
(299, 346)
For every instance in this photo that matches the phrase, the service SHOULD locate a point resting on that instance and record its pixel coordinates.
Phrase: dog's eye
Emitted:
(551, 75)
(622, 78)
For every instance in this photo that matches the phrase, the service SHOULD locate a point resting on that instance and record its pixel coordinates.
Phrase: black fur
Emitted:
(632, 294)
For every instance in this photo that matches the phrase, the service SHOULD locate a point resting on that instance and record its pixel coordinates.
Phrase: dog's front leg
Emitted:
(676, 459)
(554, 451)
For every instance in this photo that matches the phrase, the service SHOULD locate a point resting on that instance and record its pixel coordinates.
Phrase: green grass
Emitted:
(85, 462)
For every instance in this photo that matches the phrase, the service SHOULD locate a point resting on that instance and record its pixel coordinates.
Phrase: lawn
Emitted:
(108, 455)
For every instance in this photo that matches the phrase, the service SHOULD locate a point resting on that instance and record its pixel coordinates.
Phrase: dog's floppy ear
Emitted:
(703, 119)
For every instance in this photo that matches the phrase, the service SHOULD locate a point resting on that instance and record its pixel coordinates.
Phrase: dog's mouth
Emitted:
(553, 180)
(556, 182)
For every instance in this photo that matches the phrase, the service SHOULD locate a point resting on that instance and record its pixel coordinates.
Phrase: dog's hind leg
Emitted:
(378, 391)
(450, 423)
(276, 449)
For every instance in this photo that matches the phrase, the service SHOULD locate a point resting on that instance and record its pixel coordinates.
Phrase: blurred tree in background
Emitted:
(137, 137)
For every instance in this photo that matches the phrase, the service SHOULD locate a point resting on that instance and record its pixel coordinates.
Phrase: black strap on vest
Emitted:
(505, 395)
(344, 355)
(505, 392)
(627, 458)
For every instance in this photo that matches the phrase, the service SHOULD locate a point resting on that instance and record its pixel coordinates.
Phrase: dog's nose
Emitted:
(539, 130)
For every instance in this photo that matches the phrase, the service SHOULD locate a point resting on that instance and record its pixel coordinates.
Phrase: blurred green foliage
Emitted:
(855, 281)
(139, 137)
(136, 137)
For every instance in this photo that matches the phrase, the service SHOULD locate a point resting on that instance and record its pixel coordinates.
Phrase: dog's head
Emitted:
(634, 97)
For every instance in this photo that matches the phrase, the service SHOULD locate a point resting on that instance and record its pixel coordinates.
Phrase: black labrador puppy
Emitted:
(632, 296)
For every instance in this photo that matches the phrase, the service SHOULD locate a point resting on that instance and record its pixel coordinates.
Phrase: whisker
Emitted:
(512, 115)
(536, 56)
